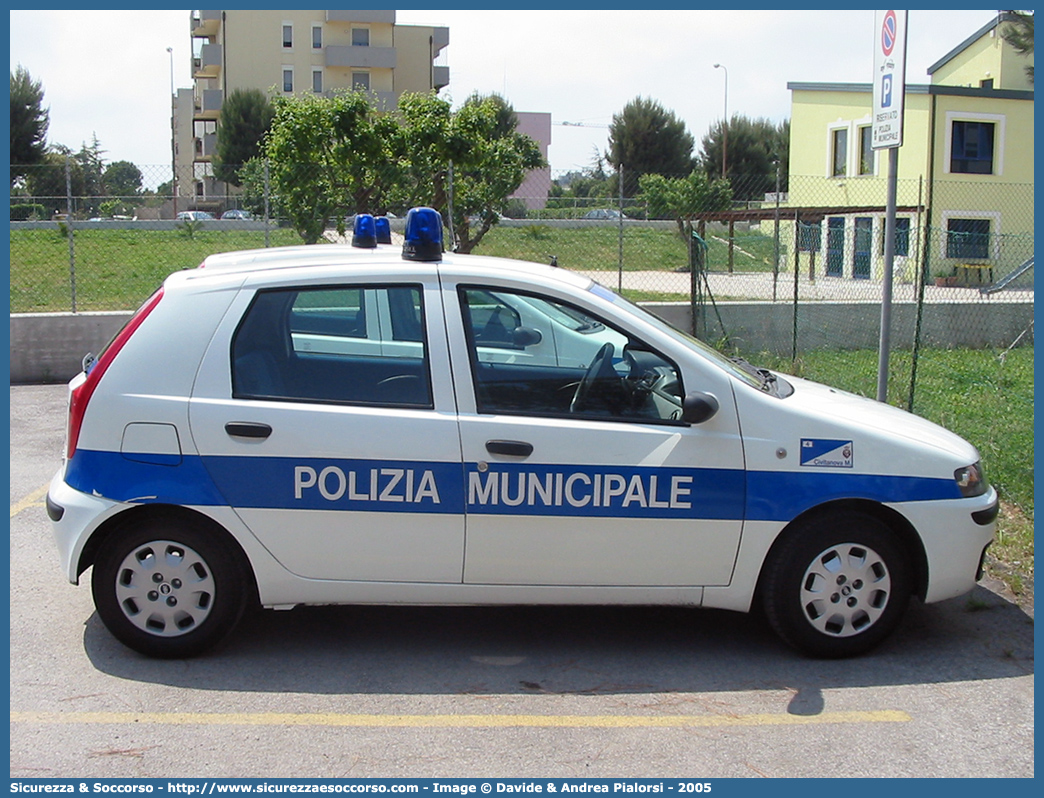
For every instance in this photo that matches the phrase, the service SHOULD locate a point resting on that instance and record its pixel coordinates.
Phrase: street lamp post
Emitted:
(173, 136)
(725, 127)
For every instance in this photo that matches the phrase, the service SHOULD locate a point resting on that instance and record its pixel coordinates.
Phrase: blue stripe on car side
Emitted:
(498, 489)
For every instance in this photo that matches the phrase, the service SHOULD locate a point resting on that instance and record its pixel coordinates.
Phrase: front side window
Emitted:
(288, 35)
(343, 345)
(288, 79)
(317, 37)
(533, 355)
(971, 148)
(317, 81)
(839, 153)
(360, 37)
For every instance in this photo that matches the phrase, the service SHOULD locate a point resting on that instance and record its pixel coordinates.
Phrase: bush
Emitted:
(25, 211)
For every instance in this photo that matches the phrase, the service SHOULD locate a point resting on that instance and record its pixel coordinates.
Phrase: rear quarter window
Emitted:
(344, 344)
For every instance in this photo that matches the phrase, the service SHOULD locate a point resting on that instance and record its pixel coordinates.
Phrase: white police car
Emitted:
(342, 426)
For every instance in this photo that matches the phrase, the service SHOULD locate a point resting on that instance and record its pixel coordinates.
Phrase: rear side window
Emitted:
(344, 344)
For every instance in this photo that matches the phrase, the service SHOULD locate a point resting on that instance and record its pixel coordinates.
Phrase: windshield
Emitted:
(737, 368)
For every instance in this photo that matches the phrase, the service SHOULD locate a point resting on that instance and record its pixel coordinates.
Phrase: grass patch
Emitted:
(644, 248)
(118, 269)
(115, 269)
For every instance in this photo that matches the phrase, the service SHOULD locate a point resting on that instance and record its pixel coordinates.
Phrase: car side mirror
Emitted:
(525, 336)
(698, 407)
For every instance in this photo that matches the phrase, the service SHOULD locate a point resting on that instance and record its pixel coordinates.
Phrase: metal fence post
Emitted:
(449, 206)
(619, 273)
(69, 229)
(267, 190)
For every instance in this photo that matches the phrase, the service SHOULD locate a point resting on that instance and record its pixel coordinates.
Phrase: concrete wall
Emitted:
(49, 347)
(765, 327)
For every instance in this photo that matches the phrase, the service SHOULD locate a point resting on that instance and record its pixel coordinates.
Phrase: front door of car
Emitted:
(332, 433)
(577, 468)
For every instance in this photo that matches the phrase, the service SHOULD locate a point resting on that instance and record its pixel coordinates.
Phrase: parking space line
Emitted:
(456, 721)
(34, 499)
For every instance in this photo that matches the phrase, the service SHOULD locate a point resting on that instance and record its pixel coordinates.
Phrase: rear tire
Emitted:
(168, 587)
(837, 585)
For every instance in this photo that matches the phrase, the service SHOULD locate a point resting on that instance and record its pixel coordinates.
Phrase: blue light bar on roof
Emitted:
(423, 235)
(383, 228)
(364, 234)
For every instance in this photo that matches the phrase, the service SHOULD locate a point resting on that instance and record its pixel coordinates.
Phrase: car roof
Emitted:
(314, 254)
(329, 260)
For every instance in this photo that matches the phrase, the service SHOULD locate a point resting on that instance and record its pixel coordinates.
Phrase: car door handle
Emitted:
(510, 448)
(248, 429)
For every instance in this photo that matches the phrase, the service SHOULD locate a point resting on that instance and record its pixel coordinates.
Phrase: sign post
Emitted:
(889, 90)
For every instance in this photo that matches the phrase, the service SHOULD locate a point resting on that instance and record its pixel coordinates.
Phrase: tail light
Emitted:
(96, 369)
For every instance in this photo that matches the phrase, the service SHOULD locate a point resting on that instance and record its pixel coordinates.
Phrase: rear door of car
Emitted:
(338, 449)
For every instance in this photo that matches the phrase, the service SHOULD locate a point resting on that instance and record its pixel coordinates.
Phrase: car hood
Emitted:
(849, 408)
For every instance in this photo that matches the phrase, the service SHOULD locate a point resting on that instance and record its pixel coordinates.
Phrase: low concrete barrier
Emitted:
(49, 347)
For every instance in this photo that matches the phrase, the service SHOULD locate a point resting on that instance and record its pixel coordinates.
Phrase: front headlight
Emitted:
(970, 480)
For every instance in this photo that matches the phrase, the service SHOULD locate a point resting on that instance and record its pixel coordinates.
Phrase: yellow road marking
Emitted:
(456, 721)
(33, 499)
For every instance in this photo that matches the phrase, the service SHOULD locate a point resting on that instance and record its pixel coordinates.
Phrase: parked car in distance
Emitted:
(194, 216)
(237, 213)
(605, 213)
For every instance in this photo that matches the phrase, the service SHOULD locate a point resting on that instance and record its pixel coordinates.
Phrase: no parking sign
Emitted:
(889, 78)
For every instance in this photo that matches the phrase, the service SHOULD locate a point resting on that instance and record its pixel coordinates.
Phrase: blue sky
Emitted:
(582, 66)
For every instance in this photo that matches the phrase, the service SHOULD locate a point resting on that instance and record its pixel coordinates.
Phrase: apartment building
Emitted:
(965, 169)
(292, 52)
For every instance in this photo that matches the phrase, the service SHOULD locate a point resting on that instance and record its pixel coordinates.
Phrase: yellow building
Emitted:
(288, 52)
(965, 169)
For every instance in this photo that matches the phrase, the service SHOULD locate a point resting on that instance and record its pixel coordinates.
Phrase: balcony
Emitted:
(205, 23)
(440, 76)
(345, 55)
(208, 104)
(439, 39)
(208, 63)
(206, 147)
(351, 15)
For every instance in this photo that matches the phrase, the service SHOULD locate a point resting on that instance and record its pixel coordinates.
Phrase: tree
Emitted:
(329, 157)
(46, 182)
(246, 116)
(92, 161)
(754, 147)
(490, 163)
(645, 138)
(1019, 34)
(29, 122)
(122, 179)
(680, 198)
(490, 159)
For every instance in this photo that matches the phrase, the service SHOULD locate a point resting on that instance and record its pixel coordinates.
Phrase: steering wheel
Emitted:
(601, 368)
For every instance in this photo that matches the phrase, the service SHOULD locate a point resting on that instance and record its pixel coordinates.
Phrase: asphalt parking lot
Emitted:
(499, 692)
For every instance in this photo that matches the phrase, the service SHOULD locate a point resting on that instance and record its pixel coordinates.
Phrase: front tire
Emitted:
(837, 585)
(168, 587)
